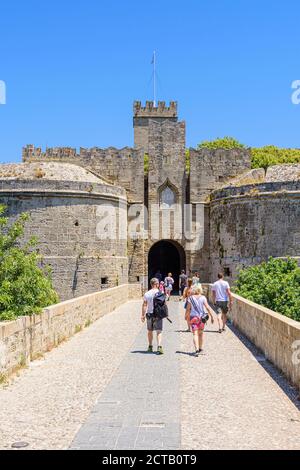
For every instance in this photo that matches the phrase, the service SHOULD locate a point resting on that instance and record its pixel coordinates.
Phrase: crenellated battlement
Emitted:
(116, 166)
(30, 152)
(149, 110)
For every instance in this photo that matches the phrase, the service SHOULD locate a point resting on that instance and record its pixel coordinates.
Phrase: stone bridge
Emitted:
(98, 389)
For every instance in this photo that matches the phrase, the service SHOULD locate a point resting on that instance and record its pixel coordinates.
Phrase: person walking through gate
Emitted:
(196, 279)
(162, 287)
(182, 283)
(153, 323)
(222, 299)
(169, 281)
(197, 316)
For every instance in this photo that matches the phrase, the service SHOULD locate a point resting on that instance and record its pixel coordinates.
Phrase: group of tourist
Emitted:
(167, 284)
(197, 309)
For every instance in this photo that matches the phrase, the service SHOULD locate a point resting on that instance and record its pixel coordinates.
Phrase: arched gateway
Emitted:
(166, 256)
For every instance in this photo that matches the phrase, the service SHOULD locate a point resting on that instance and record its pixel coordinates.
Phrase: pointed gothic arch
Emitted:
(167, 194)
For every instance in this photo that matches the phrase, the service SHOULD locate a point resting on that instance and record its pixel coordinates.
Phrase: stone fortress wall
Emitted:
(122, 167)
(249, 215)
(65, 216)
(252, 222)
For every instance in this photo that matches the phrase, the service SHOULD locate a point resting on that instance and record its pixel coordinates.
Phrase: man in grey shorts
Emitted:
(153, 324)
(222, 299)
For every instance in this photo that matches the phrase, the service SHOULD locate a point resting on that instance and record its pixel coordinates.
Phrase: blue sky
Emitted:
(72, 70)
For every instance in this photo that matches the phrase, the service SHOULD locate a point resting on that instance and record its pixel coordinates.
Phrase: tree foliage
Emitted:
(263, 157)
(25, 288)
(275, 284)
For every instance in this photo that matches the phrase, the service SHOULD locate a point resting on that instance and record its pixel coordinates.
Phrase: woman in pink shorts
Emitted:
(197, 308)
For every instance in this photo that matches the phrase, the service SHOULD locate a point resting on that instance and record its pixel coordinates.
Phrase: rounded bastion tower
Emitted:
(77, 218)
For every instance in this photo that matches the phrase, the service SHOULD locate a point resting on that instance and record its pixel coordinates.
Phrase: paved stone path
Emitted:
(46, 405)
(100, 390)
(140, 408)
(244, 403)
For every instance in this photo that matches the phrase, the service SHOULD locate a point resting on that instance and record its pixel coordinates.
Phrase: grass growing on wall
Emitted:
(25, 288)
(275, 284)
(146, 163)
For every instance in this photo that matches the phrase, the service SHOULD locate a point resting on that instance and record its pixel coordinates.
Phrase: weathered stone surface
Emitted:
(210, 169)
(287, 172)
(52, 171)
(68, 218)
(251, 223)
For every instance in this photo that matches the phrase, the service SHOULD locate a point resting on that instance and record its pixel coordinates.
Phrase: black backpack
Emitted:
(160, 308)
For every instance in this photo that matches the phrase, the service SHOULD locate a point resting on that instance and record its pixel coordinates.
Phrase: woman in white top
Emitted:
(169, 281)
(197, 308)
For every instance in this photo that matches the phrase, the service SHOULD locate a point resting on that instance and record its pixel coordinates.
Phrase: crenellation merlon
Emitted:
(149, 110)
(30, 152)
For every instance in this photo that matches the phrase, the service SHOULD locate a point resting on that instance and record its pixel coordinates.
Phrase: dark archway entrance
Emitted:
(166, 256)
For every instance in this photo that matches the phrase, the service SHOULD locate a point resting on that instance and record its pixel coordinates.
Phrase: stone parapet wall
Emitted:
(67, 187)
(29, 337)
(253, 189)
(277, 336)
(122, 167)
(151, 110)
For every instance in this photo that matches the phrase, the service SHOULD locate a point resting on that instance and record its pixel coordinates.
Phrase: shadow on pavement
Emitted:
(142, 352)
(186, 353)
(212, 331)
(278, 377)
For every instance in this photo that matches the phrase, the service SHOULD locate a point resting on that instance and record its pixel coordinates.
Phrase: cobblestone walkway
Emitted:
(100, 390)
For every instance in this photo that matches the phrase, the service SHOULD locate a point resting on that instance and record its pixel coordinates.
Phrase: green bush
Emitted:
(222, 143)
(263, 157)
(25, 288)
(275, 284)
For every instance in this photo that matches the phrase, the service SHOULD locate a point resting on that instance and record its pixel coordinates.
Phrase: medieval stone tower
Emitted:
(162, 139)
(175, 208)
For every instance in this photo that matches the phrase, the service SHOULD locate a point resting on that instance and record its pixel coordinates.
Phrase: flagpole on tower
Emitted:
(154, 77)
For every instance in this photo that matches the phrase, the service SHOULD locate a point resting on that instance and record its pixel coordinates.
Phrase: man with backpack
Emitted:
(155, 310)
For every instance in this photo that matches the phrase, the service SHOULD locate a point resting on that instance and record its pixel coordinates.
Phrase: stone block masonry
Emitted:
(28, 337)
(66, 216)
(123, 167)
(253, 222)
(211, 168)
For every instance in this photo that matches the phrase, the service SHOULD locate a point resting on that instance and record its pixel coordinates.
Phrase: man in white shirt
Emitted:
(153, 323)
(222, 299)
